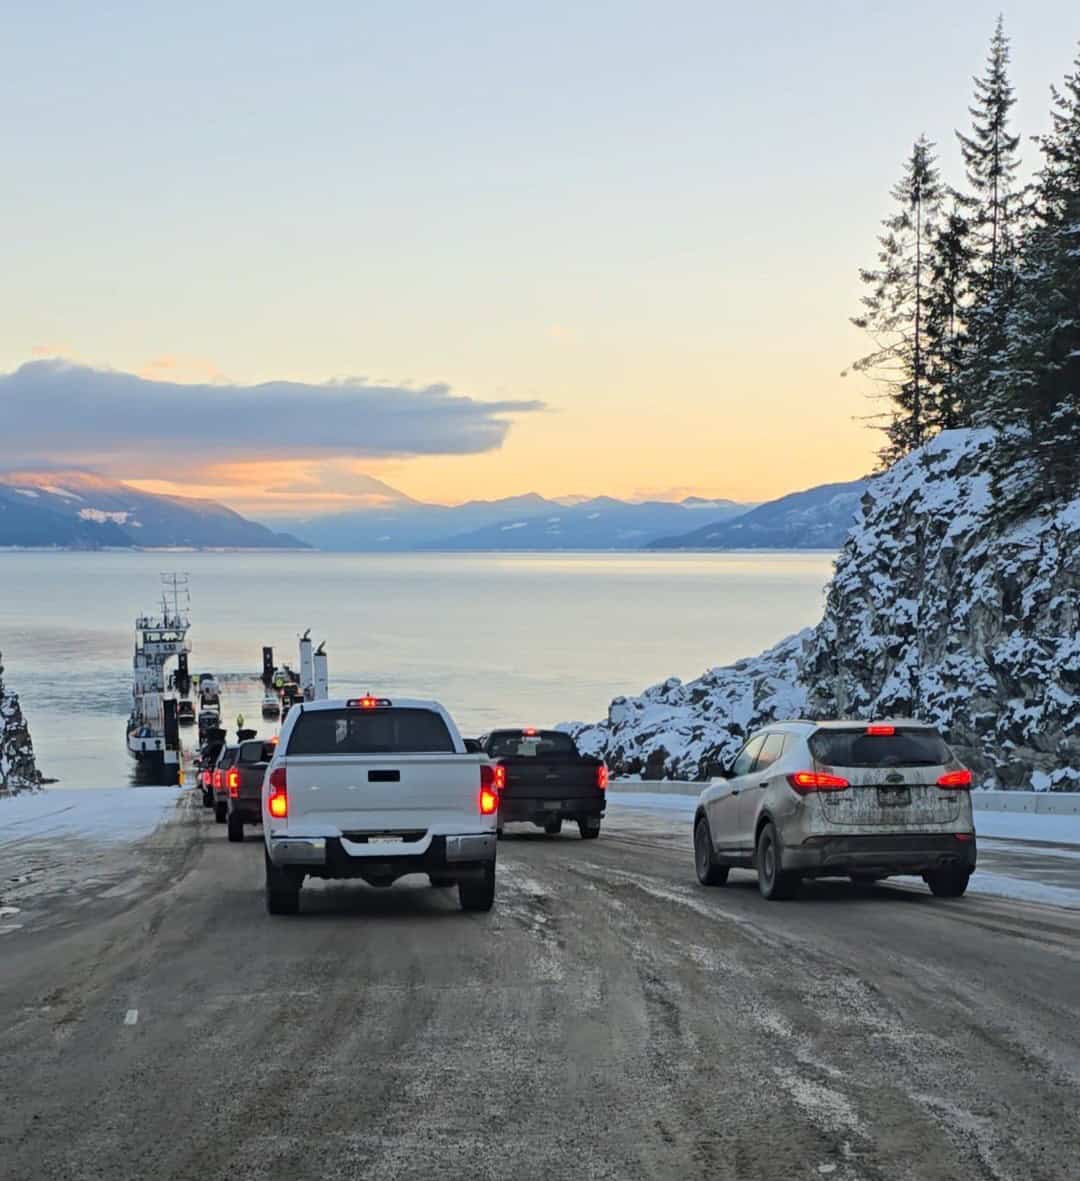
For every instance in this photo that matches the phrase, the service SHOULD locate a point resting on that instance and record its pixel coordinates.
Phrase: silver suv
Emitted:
(863, 800)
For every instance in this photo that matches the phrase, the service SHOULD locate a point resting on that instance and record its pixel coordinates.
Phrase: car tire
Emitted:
(589, 828)
(553, 828)
(207, 798)
(440, 882)
(478, 895)
(221, 813)
(948, 883)
(282, 889)
(236, 829)
(773, 882)
(708, 872)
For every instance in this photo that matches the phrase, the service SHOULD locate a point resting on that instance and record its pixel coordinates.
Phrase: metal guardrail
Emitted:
(1042, 803)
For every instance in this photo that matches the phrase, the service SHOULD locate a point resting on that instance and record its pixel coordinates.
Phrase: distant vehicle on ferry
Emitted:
(271, 706)
(185, 712)
(209, 690)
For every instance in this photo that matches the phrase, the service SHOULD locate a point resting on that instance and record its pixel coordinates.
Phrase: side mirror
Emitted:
(472, 747)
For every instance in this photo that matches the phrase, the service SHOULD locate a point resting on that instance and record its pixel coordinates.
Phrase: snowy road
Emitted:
(610, 1019)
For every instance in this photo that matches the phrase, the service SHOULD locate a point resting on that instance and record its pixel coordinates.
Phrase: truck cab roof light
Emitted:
(369, 702)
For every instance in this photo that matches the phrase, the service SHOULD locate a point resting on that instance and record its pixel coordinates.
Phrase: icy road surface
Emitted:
(610, 1019)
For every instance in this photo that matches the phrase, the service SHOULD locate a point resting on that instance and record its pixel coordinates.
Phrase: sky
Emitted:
(468, 249)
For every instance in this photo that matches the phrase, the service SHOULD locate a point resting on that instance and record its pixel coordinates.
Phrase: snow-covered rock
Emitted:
(676, 731)
(935, 614)
(18, 770)
(932, 613)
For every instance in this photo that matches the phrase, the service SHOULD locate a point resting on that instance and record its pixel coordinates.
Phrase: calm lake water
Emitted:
(500, 639)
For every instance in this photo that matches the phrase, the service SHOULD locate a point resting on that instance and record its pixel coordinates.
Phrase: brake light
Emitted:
(529, 731)
(489, 802)
(233, 783)
(369, 702)
(956, 779)
(602, 777)
(881, 731)
(278, 800)
(805, 782)
(217, 781)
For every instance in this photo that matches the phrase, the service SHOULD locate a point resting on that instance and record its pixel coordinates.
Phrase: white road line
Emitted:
(131, 1016)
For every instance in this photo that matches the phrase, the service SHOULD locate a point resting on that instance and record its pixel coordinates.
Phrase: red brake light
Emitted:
(233, 783)
(489, 802)
(881, 731)
(369, 702)
(529, 731)
(601, 777)
(805, 782)
(278, 800)
(217, 781)
(956, 779)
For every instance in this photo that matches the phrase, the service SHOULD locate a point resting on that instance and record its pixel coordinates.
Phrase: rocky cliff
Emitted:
(931, 613)
(18, 770)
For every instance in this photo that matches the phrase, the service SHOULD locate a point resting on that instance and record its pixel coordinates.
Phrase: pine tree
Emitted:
(993, 208)
(950, 269)
(18, 770)
(895, 310)
(1036, 404)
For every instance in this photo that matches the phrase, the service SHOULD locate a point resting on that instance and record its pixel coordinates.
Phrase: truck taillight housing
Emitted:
(957, 780)
(489, 802)
(805, 782)
(277, 802)
(602, 777)
(232, 781)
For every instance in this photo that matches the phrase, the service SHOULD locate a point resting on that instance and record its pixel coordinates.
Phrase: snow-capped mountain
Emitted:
(933, 612)
(86, 511)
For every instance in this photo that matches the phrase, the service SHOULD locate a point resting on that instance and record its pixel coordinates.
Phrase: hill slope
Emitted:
(85, 511)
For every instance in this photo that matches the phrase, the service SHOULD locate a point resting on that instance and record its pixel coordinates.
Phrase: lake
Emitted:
(527, 639)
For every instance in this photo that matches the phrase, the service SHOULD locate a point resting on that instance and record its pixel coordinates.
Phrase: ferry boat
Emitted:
(153, 735)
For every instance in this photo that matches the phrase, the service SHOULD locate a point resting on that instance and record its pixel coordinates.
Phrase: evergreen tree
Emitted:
(950, 268)
(896, 307)
(18, 770)
(1036, 403)
(993, 207)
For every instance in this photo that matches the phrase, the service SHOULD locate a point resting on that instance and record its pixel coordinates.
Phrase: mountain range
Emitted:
(528, 522)
(81, 510)
(818, 518)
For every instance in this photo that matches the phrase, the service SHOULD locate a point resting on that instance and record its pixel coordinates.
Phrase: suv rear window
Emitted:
(369, 732)
(544, 744)
(921, 747)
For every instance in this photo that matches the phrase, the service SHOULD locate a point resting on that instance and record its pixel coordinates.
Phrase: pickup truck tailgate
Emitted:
(382, 793)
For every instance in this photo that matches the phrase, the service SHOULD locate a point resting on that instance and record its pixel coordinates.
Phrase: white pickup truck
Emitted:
(375, 789)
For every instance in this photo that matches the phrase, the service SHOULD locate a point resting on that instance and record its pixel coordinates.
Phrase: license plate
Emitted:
(893, 797)
(387, 840)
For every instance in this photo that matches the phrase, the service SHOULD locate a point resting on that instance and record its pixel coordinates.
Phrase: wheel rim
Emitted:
(768, 861)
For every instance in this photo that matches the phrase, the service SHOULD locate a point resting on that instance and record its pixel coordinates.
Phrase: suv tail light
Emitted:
(232, 781)
(602, 777)
(805, 782)
(960, 780)
(217, 781)
(278, 800)
(881, 731)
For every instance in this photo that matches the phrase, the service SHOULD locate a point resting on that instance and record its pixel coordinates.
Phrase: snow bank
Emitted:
(107, 815)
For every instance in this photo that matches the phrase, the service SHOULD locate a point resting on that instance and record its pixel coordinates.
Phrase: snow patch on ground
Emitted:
(109, 815)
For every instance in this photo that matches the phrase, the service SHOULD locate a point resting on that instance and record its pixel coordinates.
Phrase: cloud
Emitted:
(130, 425)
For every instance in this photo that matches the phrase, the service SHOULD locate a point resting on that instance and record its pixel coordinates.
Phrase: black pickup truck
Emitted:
(244, 785)
(542, 779)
